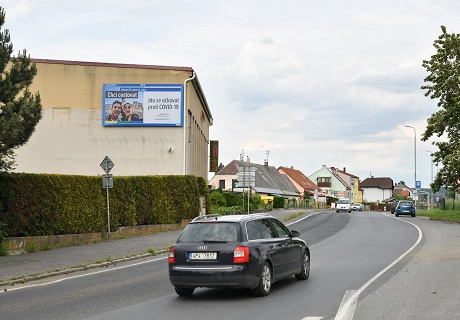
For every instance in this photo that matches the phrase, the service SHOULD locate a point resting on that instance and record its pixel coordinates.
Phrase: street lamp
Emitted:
(431, 157)
(415, 161)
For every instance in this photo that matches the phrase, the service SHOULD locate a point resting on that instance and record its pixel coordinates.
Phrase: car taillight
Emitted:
(171, 258)
(241, 254)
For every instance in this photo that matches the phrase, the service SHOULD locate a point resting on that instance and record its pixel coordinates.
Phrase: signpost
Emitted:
(107, 182)
(246, 179)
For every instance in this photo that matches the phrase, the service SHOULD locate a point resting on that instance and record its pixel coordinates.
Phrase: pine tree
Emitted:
(20, 110)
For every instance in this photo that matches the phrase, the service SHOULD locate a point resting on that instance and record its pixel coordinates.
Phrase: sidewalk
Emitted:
(36, 265)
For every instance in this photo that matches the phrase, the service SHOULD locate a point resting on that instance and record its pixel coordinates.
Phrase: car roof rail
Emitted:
(208, 217)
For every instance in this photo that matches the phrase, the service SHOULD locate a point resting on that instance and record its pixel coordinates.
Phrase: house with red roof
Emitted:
(304, 185)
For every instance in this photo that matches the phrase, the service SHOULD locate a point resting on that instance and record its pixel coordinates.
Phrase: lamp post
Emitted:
(431, 157)
(415, 161)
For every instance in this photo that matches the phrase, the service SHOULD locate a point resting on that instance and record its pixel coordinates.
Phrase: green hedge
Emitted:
(278, 202)
(44, 204)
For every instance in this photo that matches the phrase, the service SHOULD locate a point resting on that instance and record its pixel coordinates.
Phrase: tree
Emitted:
(443, 84)
(20, 110)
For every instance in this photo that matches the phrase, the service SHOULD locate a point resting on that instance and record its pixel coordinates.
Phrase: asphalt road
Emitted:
(364, 266)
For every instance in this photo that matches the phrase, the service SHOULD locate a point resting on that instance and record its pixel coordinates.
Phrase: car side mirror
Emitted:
(295, 233)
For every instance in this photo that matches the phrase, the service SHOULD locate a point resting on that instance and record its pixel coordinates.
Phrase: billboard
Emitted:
(137, 105)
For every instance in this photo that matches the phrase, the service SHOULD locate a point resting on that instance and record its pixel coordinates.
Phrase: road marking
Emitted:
(288, 224)
(84, 275)
(349, 301)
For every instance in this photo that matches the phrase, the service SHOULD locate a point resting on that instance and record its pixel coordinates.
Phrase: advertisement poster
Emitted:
(142, 105)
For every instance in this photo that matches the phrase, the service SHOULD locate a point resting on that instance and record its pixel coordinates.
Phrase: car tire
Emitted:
(184, 292)
(413, 215)
(265, 281)
(349, 211)
(305, 271)
(396, 214)
(337, 211)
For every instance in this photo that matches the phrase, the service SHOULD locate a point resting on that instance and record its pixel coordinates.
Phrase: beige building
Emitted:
(74, 137)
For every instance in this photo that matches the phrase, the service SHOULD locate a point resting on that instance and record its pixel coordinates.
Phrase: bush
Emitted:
(232, 199)
(44, 204)
(2, 237)
(278, 202)
(217, 199)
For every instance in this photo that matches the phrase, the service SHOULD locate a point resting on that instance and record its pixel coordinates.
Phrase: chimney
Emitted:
(266, 162)
(344, 169)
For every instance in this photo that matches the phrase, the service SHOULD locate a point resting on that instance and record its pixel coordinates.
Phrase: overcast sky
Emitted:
(313, 82)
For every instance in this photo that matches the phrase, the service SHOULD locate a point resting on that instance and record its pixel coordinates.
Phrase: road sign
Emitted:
(107, 164)
(245, 184)
(107, 181)
(418, 184)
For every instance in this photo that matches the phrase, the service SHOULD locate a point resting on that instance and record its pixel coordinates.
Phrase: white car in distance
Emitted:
(343, 204)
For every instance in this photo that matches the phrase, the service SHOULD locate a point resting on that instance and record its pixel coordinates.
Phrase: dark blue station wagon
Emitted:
(238, 251)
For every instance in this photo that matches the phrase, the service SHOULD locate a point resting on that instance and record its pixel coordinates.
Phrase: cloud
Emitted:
(315, 83)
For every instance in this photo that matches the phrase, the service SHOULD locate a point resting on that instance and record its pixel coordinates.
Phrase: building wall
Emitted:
(70, 139)
(376, 194)
(214, 182)
(337, 189)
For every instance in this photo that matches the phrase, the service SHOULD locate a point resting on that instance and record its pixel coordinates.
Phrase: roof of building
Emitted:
(267, 178)
(381, 183)
(300, 178)
(401, 185)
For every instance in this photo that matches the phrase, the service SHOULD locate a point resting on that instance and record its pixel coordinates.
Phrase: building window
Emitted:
(323, 182)
(221, 184)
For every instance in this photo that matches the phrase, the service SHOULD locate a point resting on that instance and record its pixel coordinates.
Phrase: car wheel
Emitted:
(396, 214)
(413, 215)
(337, 211)
(265, 281)
(349, 211)
(184, 292)
(305, 271)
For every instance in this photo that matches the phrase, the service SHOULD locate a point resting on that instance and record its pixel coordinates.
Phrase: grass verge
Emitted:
(441, 215)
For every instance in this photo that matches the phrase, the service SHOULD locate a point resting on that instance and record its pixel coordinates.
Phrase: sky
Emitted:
(300, 83)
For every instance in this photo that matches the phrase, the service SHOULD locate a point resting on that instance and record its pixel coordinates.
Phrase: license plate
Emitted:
(202, 255)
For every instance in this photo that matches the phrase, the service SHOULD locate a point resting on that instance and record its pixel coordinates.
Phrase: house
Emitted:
(376, 189)
(352, 181)
(303, 184)
(401, 189)
(331, 183)
(267, 181)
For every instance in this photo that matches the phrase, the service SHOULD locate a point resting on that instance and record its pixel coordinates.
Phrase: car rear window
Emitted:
(405, 203)
(210, 231)
(343, 201)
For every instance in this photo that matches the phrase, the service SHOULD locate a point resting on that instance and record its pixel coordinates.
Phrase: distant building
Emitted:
(401, 189)
(267, 180)
(338, 183)
(376, 189)
(303, 184)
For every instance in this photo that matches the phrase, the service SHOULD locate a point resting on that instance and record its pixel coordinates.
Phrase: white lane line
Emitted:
(84, 275)
(347, 308)
(315, 213)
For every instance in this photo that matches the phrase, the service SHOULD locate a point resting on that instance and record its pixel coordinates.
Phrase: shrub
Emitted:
(217, 199)
(278, 202)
